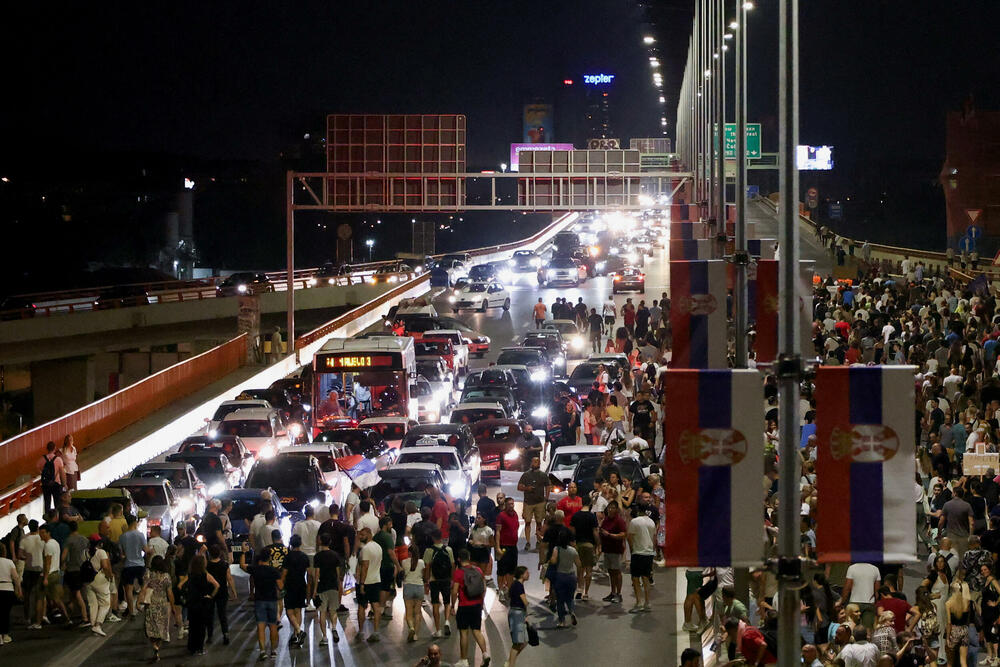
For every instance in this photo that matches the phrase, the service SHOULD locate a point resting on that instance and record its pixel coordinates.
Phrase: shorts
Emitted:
(586, 552)
(479, 554)
(388, 585)
(440, 592)
(266, 611)
(53, 586)
(507, 563)
(694, 579)
(369, 594)
(608, 320)
(310, 557)
(642, 566)
(537, 511)
(295, 597)
(329, 601)
(708, 589)
(518, 624)
(613, 561)
(73, 581)
(469, 617)
(413, 591)
(132, 575)
(32, 581)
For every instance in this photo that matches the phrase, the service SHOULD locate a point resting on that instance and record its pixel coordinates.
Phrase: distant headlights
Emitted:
(539, 375)
(458, 489)
(540, 412)
(578, 342)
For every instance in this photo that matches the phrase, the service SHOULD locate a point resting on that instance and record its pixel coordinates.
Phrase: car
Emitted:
(491, 377)
(259, 428)
(470, 413)
(94, 504)
(121, 296)
(328, 274)
(630, 255)
(440, 377)
(551, 345)
(431, 404)
(408, 482)
(564, 460)
(582, 379)
(480, 295)
(436, 348)
(296, 388)
(450, 258)
(535, 359)
(610, 264)
(447, 270)
(246, 505)
(576, 342)
(417, 325)
(618, 359)
(629, 279)
(364, 441)
(562, 271)
(628, 465)
(458, 341)
(529, 394)
(564, 242)
(326, 455)
(298, 480)
(456, 473)
(227, 407)
(486, 394)
(456, 436)
(392, 429)
(245, 282)
(232, 446)
(502, 449)
(524, 261)
(17, 308)
(156, 498)
(213, 468)
(415, 306)
(185, 483)
(483, 272)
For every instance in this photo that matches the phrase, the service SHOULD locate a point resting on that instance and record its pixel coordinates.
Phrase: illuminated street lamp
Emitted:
(648, 39)
(370, 243)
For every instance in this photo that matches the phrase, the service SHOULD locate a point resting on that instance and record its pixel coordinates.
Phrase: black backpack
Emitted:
(87, 572)
(49, 471)
(441, 563)
(474, 583)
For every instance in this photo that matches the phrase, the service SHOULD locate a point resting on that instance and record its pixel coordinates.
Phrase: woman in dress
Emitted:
(990, 613)
(957, 624)
(70, 466)
(161, 598)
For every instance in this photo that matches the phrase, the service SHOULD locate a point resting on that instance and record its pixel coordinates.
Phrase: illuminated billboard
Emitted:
(598, 79)
(515, 151)
(814, 158)
(538, 121)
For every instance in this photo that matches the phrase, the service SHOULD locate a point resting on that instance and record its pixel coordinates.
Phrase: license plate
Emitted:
(491, 466)
(237, 549)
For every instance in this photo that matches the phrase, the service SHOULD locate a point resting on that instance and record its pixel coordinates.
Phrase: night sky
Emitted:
(245, 80)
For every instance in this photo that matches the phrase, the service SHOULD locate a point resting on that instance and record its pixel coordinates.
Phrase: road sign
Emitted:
(836, 211)
(966, 244)
(812, 198)
(974, 232)
(973, 214)
(753, 140)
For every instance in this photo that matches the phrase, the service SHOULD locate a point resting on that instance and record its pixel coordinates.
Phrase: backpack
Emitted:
(441, 564)
(49, 471)
(87, 572)
(475, 585)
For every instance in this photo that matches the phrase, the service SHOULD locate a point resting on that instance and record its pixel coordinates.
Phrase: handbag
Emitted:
(532, 634)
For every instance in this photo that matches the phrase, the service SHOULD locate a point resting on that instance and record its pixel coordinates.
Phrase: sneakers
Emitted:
(262, 657)
(579, 595)
(646, 609)
(635, 610)
(35, 626)
(274, 655)
(610, 597)
(98, 630)
(6, 639)
(336, 637)
(447, 628)
(343, 610)
(114, 618)
(373, 638)
(436, 634)
(689, 627)
(311, 606)
(323, 641)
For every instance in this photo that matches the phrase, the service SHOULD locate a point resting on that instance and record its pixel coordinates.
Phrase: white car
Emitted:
(447, 458)
(563, 271)
(441, 379)
(480, 295)
(392, 429)
(326, 454)
(231, 406)
(564, 461)
(458, 341)
(431, 403)
(576, 343)
(260, 429)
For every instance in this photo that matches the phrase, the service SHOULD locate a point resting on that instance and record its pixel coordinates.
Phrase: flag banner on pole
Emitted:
(762, 308)
(690, 249)
(688, 230)
(713, 464)
(698, 314)
(864, 464)
(762, 248)
(751, 229)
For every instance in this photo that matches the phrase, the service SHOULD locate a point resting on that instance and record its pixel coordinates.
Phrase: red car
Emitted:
(435, 348)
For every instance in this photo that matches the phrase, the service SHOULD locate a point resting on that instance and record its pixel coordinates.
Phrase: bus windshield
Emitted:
(362, 394)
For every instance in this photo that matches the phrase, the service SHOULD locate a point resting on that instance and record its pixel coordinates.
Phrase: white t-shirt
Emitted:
(642, 536)
(157, 546)
(865, 577)
(307, 530)
(372, 553)
(51, 548)
(369, 521)
(860, 655)
(255, 526)
(32, 545)
(7, 574)
(481, 536)
(600, 504)
(100, 555)
(415, 576)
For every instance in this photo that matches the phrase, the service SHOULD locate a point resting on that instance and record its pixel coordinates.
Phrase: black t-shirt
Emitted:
(296, 563)
(516, 591)
(595, 322)
(488, 509)
(555, 536)
(265, 579)
(218, 570)
(642, 412)
(329, 563)
(583, 524)
(191, 547)
(426, 501)
(991, 540)
(209, 526)
(338, 530)
(642, 316)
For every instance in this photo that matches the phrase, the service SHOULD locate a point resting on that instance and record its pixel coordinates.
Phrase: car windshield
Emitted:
(325, 460)
(224, 410)
(247, 428)
(496, 433)
(146, 495)
(432, 372)
(475, 415)
(446, 460)
(518, 357)
(436, 348)
(478, 272)
(93, 509)
(584, 372)
(421, 390)
(562, 263)
(244, 510)
(485, 395)
(408, 481)
(389, 431)
(451, 323)
(206, 466)
(476, 287)
(562, 327)
(178, 478)
(282, 478)
(569, 461)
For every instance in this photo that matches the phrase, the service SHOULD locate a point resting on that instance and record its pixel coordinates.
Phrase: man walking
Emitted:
(506, 555)
(439, 566)
(328, 566)
(308, 530)
(595, 323)
(469, 589)
(539, 312)
(133, 546)
(534, 484)
(641, 540)
(613, 545)
(369, 583)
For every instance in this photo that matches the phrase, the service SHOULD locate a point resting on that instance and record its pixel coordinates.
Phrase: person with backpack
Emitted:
(468, 589)
(53, 475)
(438, 578)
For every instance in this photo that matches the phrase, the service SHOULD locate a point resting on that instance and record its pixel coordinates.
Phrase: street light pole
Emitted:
(789, 368)
(718, 101)
(290, 262)
(741, 258)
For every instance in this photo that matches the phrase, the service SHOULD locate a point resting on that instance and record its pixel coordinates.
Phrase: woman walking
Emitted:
(413, 589)
(161, 598)
(481, 545)
(218, 568)
(10, 590)
(70, 466)
(939, 581)
(990, 614)
(201, 588)
(517, 614)
(99, 590)
(957, 624)
(567, 562)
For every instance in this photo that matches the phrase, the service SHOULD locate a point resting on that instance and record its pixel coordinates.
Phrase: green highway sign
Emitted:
(753, 140)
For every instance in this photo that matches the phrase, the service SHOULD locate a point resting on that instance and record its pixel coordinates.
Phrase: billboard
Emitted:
(516, 149)
(598, 79)
(538, 122)
(814, 158)
(604, 144)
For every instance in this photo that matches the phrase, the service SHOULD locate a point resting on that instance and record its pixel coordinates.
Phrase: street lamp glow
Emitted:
(727, 36)
(663, 100)
(725, 48)
(708, 73)
(748, 6)
(648, 39)
(716, 55)
(734, 25)
(503, 167)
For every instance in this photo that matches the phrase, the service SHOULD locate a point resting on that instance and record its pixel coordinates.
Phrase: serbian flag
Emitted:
(713, 464)
(864, 464)
(762, 307)
(689, 249)
(688, 230)
(360, 469)
(698, 314)
(762, 248)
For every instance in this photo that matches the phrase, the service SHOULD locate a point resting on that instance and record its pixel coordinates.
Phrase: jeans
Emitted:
(565, 587)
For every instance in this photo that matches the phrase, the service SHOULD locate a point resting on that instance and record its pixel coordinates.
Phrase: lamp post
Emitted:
(370, 243)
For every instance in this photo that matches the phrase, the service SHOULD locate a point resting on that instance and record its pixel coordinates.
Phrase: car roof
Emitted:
(477, 406)
(512, 367)
(107, 492)
(249, 413)
(139, 481)
(165, 465)
(433, 429)
(581, 449)
(430, 449)
(256, 402)
(384, 420)
(412, 467)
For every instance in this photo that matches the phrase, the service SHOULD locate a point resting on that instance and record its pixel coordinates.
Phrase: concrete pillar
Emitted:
(60, 386)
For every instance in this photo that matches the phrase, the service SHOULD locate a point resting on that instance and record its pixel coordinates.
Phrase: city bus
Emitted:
(356, 378)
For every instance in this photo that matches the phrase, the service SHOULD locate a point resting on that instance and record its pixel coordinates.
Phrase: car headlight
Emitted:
(312, 282)
(539, 412)
(267, 452)
(633, 257)
(216, 489)
(392, 279)
(559, 360)
(600, 266)
(331, 281)
(213, 434)
(419, 269)
(535, 262)
(185, 504)
(458, 489)
(452, 299)
(613, 251)
(512, 455)
(242, 289)
(538, 375)
(295, 429)
(306, 407)
(578, 342)
(551, 273)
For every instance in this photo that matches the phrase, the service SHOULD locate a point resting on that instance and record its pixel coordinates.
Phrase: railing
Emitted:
(94, 422)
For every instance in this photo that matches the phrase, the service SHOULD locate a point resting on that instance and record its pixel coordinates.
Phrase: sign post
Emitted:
(752, 139)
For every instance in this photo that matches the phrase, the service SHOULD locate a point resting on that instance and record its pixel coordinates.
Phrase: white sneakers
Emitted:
(98, 630)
